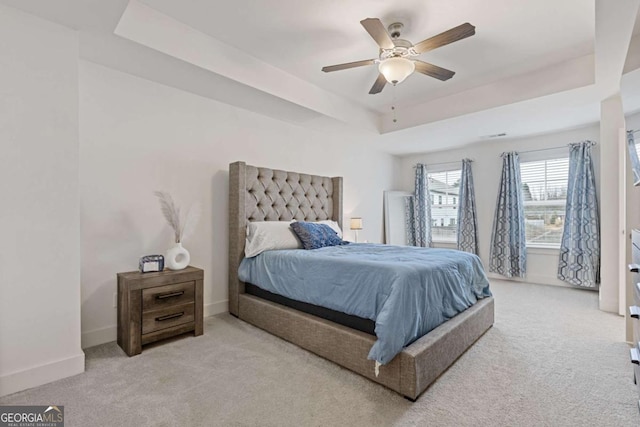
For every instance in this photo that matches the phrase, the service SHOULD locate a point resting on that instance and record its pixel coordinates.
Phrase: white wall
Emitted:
(137, 136)
(613, 209)
(39, 213)
(541, 263)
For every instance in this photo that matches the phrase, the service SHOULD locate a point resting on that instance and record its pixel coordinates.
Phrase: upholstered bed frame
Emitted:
(262, 194)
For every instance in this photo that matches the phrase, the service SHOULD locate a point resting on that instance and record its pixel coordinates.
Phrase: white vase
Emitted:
(177, 258)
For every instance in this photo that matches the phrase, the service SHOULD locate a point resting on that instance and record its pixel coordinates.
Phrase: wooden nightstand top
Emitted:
(132, 275)
(138, 280)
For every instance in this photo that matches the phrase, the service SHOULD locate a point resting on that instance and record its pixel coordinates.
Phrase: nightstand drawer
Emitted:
(167, 317)
(635, 325)
(167, 296)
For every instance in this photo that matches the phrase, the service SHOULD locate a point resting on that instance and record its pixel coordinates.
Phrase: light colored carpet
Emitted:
(551, 359)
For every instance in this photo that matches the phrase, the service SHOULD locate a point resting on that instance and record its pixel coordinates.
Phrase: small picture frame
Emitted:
(151, 263)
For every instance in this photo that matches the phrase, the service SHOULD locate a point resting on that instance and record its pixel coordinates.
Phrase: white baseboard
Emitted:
(99, 336)
(533, 279)
(110, 333)
(43, 374)
(216, 308)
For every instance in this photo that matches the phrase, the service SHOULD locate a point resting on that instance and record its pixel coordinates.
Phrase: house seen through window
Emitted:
(444, 215)
(544, 189)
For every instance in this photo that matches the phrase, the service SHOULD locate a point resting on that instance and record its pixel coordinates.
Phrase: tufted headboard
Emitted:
(263, 194)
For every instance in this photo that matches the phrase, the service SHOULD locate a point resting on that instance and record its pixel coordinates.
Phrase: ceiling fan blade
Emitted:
(453, 35)
(433, 70)
(377, 31)
(348, 65)
(378, 85)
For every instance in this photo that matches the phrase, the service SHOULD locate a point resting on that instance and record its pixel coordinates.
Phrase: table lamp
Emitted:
(356, 224)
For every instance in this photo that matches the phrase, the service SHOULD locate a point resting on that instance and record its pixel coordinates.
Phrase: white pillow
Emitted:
(333, 224)
(268, 235)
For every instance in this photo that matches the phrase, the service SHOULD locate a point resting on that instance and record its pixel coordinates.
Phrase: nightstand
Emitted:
(155, 306)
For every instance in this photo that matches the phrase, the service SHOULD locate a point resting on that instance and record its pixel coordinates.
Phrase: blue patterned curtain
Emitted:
(633, 156)
(409, 219)
(508, 255)
(580, 248)
(419, 211)
(467, 233)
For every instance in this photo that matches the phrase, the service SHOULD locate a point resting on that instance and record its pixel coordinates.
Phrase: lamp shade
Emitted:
(356, 224)
(396, 69)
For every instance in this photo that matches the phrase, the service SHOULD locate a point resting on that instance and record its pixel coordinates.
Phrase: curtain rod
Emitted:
(550, 148)
(442, 163)
(634, 130)
(544, 149)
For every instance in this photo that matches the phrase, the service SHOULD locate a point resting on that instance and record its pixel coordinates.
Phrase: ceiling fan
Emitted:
(395, 61)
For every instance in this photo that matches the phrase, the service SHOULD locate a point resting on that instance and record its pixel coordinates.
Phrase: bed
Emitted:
(263, 194)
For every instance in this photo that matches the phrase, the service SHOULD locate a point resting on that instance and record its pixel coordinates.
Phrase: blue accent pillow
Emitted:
(315, 236)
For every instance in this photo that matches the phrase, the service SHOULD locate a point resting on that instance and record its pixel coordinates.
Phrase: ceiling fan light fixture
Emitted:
(394, 54)
(396, 69)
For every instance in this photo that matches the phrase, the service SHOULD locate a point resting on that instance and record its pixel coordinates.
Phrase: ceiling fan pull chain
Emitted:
(393, 105)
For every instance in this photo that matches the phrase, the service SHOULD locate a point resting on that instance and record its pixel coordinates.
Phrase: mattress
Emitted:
(407, 291)
(354, 322)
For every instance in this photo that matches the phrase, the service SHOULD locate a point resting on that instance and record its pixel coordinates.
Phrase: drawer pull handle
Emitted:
(634, 311)
(170, 295)
(176, 315)
(635, 356)
(634, 268)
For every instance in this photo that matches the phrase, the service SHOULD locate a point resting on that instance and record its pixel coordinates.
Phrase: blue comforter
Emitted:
(407, 291)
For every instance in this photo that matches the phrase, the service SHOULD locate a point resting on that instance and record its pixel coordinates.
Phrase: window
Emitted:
(544, 189)
(444, 215)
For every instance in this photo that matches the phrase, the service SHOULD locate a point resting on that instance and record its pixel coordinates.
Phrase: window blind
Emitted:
(544, 189)
(444, 188)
